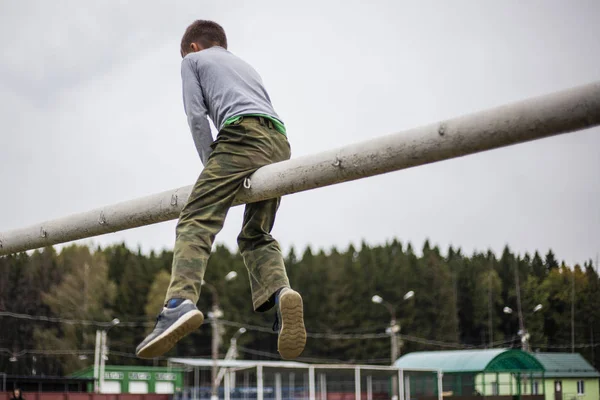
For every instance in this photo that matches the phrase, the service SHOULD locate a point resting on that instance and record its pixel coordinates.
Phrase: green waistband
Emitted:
(277, 124)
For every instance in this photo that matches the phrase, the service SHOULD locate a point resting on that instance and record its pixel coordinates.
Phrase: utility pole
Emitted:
(490, 309)
(214, 315)
(103, 356)
(101, 353)
(573, 312)
(392, 330)
(593, 349)
(216, 339)
(97, 361)
(86, 274)
(523, 333)
(231, 353)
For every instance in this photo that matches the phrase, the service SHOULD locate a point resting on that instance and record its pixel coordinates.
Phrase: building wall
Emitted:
(507, 384)
(136, 379)
(569, 389)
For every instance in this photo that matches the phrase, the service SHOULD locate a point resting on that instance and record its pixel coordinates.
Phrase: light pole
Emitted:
(101, 354)
(522, 331)
(392, 330)
(231, 354)
(214, 316)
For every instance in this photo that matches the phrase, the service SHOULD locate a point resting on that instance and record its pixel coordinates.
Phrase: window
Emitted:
(535, 387)
(138, 387)
(580, 387)
(164, 387)
(111, 387)
(495, 388)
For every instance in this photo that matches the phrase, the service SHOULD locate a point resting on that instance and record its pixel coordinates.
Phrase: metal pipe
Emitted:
(259, 383)
(440, 385)
(311, 383)
(401, 384)
(323, 385)
(227, 384)
(561, 112)
(357, 383)
(196, 383)
(278, 386)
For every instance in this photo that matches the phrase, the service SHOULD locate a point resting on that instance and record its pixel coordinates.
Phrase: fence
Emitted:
(84, 396)
(281, 380)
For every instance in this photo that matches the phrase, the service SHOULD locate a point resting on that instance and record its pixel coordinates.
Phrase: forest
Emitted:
(52, 302)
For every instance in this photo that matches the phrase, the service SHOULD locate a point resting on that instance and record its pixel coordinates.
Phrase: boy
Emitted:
(218, 84)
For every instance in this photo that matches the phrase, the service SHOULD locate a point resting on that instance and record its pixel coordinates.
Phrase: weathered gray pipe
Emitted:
(536, 118)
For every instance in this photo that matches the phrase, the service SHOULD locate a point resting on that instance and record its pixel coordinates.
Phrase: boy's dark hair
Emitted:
(205, 33)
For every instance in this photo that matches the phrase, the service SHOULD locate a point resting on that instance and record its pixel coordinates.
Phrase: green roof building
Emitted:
(474, 374)
(568, 376)
(137, 379)
(500, 374)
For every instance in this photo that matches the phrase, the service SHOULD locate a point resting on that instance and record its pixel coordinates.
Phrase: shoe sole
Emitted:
(185, 325)
(292, 337)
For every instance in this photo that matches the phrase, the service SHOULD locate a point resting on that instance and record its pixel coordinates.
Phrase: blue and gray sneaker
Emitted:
(289, 322)
(172, 324)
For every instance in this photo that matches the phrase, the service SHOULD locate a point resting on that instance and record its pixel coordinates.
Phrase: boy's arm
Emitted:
(195, 109)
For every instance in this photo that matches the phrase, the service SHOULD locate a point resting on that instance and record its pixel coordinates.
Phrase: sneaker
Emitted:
(289, 322)
(172, 324)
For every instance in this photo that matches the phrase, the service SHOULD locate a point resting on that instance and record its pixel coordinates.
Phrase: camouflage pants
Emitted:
(240, 149)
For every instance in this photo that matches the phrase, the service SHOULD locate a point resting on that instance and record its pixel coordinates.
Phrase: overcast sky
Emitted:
(91, 114)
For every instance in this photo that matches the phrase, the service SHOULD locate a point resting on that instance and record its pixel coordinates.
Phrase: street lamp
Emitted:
(522, 331)
(230, 276)
(214, 315)
(394, 327)
(231, 354)
(392, 330)
(239, 333)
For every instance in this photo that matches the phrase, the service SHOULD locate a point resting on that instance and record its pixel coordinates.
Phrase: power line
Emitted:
(568, 346)
(314, 335)
(45, 352)
(37, 352)
(99, 324)
(351, 336)
(257, 328)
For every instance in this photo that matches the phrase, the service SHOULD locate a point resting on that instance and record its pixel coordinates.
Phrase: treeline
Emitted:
(458, 303)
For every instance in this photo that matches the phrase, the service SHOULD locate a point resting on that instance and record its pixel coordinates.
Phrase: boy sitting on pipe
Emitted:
(223, 87)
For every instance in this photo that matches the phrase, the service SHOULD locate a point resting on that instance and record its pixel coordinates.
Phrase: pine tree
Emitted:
(85, 293)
